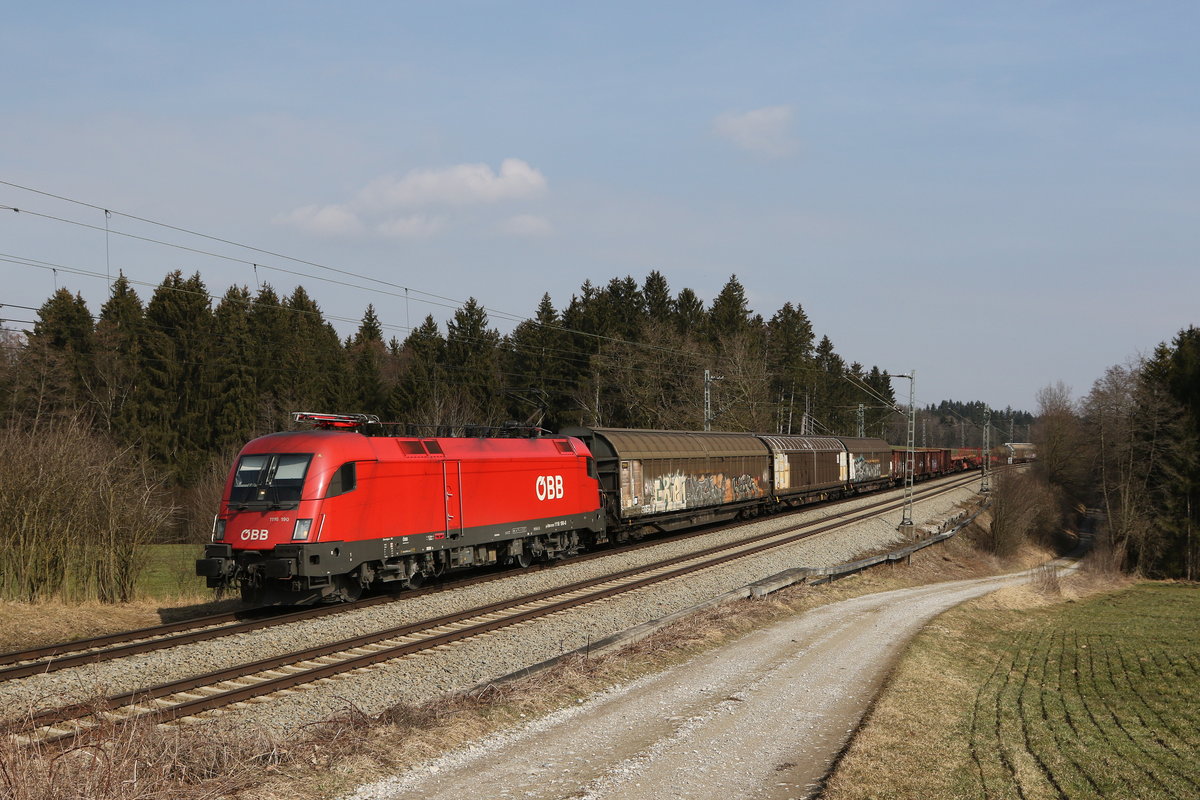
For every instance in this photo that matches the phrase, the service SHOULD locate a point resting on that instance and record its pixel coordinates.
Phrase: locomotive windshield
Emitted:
(269, 480)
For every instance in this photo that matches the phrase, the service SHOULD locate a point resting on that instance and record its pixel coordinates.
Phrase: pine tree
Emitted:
(473, 365)
(314, 378)
(56, 366)
(174, 407)
(620, 309)
(1177, 368)
(689, 313)
(230, 374)
(789, 350)
(730, 312)
(660, 305)
(119, 333)
(270, 330)
(831, 393)
(535, 363)
(368, 393)
(881, 402)
(421, 393)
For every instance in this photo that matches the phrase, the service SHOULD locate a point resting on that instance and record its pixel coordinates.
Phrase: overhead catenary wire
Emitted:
(427, 297)
(255, 265)
(579, 358)
(438, 299)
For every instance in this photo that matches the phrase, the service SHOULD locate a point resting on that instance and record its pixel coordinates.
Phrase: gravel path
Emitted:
(431, 674)
(762, 717)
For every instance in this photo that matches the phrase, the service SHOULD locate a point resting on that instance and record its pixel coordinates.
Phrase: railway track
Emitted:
(194, 695)
(80, 652)
(64, 655)
(51, 658)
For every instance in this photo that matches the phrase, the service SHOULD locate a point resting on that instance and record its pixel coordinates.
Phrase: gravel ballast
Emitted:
(470, 663)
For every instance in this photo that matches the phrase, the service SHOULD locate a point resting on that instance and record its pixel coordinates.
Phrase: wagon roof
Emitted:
(865, 444)
(807, 444)
(627, 443)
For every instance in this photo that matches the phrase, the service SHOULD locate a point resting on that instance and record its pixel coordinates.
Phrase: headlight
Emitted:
(218, 530)
(303, 526)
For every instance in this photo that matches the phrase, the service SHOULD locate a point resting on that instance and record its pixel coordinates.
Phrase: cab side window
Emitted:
(344, 480)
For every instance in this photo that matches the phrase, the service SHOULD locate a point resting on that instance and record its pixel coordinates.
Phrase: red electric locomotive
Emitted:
(318, 515)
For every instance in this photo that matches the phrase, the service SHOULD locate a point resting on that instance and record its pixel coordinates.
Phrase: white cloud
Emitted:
(462, 184)
(412, 227)
(765, 131)
(525, 225)
(398, 207)
(333, 220)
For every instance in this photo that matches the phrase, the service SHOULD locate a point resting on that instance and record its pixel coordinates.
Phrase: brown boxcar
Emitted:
(805, 467)
(866, 462)
(660, 476)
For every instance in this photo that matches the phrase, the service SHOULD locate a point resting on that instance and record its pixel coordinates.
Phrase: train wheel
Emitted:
(523, 560)
(349, 588)
(252, 595)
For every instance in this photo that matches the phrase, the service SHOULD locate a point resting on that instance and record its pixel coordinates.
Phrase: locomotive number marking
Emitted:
(254, 534)
(549, 487)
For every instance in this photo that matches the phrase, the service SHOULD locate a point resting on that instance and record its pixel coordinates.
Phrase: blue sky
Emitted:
(997, 195)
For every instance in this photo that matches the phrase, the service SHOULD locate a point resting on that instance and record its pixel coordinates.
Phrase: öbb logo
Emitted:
(549, 487)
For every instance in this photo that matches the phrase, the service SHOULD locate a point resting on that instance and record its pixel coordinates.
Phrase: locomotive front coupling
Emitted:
(220, 567)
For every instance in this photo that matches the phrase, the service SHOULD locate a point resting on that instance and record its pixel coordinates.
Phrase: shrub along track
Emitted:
(192, 696)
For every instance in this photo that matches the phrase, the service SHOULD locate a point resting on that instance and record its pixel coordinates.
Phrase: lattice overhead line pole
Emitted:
(708, 379)
(910, 458)
(985, 484)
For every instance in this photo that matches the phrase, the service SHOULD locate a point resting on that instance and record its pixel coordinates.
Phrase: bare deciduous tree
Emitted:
(1024, 507)
(78, 512)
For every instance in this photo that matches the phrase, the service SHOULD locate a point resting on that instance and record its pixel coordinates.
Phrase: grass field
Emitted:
(1095, 698)
(167, 590)
(171, 572)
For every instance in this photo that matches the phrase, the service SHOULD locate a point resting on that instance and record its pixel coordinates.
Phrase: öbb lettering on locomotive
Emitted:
(549, 487)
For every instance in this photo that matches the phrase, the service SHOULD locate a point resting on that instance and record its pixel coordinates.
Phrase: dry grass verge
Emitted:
(136, 762)
(26, 625)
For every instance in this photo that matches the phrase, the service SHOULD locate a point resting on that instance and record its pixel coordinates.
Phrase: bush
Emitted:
(77, 512)
(1024, 507)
